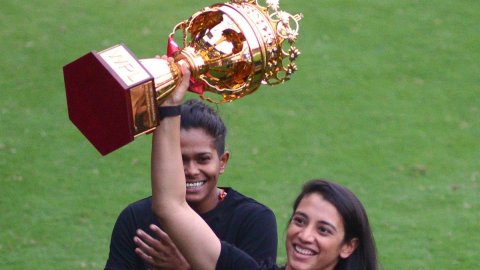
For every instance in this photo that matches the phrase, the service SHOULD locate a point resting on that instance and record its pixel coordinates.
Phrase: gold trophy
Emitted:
(230, 48)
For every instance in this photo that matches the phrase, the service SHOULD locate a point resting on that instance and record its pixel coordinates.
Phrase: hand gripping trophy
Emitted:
(230, 49)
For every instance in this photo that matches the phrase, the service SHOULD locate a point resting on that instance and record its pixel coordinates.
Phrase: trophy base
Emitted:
(110, 97)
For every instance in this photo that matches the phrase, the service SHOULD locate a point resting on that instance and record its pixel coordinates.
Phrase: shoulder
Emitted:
(142, 205)
(238, 199)
(137, 213)
(250, 215)
(244, 204)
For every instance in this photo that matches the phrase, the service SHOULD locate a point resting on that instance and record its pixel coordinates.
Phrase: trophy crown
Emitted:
(234, 47)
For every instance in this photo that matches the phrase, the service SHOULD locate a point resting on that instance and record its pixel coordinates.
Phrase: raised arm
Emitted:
(193, 237)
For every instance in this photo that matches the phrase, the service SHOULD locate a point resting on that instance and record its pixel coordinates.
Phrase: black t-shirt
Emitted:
(232, 258)
(238, 220)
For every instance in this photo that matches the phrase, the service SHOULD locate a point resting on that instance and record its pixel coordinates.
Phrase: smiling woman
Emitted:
(315, 238)
(202, 165)
(329, 229)
(201, 160)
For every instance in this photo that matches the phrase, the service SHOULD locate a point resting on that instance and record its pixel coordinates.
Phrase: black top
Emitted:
(238, 220)
(232, 258)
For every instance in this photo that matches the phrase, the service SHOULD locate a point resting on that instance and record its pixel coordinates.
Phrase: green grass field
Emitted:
(386, 101)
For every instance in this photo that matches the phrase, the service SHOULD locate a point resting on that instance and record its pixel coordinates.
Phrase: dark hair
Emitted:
(196, 114)
(355, 221)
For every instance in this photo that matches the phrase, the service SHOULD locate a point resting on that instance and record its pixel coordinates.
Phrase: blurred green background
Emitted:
(386, 101)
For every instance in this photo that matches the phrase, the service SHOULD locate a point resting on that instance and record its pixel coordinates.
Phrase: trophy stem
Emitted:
(165, 76)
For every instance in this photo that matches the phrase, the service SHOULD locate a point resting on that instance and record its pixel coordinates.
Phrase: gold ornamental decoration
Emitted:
(235, 47)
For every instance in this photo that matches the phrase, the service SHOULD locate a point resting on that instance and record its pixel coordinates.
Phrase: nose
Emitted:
(190, 169)
(307, 234)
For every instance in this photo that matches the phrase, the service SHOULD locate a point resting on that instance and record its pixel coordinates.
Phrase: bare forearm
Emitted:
(168, 179)
(185, 227)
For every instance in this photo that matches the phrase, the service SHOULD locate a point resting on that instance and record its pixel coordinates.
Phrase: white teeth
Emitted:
(303, 251)
(195, 184)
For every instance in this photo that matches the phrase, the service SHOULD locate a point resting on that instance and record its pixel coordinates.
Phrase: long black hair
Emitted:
(355, 221)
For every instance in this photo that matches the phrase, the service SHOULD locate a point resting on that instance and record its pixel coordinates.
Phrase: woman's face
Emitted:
(315, 236)
(202, 167)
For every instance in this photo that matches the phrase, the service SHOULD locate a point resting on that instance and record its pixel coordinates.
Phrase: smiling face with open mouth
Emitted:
(202, 166)
(315, 235)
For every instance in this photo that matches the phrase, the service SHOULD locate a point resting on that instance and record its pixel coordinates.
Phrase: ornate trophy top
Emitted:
(232, 48)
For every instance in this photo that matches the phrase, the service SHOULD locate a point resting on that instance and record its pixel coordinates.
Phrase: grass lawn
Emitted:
(386, 101)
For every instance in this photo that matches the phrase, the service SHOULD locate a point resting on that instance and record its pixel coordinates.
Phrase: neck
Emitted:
(208, 204)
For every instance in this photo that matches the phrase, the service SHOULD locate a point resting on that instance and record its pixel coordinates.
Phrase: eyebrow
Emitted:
(199, 154)
(324, 222)
(328, 224)
(204, 154)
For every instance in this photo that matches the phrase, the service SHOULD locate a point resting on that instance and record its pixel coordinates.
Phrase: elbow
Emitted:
(164, 210)
(160, 209)
(157, 211)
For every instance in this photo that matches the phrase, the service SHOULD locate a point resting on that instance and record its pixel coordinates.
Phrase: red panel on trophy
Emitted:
(98, 104)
